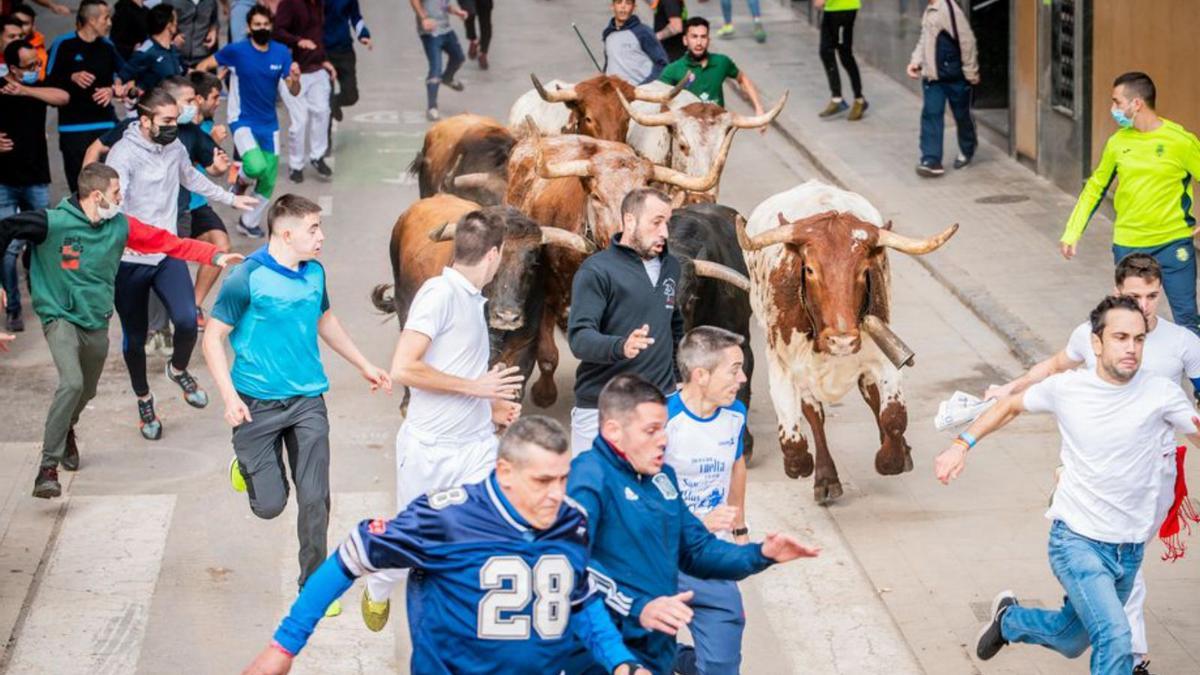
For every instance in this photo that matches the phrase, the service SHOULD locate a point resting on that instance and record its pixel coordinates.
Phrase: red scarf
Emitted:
(1181, 516)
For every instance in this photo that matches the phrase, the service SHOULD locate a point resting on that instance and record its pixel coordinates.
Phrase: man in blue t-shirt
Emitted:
(272, 314)
(704, 446)
(256, 67)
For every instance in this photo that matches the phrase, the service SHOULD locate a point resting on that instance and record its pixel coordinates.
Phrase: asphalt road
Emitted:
(151, 564)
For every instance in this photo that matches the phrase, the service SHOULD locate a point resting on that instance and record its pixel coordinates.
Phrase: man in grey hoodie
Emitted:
(197, 25)
(631, 51)
(152, 164)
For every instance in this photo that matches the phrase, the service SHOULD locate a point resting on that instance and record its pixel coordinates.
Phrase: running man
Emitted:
(77, 248)
(1115, 422)
(157, 59)
(275, 395)
(837, 42)
(1171, 352)
(343, 25)
(1157, 161)
(631, 51)
(705, 422)
(448, 437)
(433, 27)
(300, 24)
(257, 65)
(516, 529)
(706, 72)
(153, 165)
(641, 534)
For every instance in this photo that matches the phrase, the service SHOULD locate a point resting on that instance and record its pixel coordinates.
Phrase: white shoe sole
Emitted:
(992, 615)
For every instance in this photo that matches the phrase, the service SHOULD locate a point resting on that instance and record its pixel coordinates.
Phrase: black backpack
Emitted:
(949, 52)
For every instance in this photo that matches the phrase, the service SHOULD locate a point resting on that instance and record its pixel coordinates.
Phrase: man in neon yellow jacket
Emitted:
(1154, 162)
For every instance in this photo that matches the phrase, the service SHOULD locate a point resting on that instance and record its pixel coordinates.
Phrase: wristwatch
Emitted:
(741, 531)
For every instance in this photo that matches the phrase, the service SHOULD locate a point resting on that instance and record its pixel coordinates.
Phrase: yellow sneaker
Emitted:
(236, 479)
(375, 614)
(334, 608)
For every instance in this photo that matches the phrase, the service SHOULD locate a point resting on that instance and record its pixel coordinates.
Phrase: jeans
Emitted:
(14, 198)
(434, 46)
(937, 95)
(1178, 261)
(1098, 578)
(237, 19)
(727, 10)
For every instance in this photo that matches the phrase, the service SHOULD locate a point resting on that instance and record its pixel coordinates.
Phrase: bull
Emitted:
(713, 288)
(817, 257)
(464, 145)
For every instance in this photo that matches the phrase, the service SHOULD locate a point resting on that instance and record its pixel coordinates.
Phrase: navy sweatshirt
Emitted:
(610, 297)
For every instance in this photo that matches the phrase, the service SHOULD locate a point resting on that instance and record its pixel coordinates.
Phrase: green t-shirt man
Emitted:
(707, 78)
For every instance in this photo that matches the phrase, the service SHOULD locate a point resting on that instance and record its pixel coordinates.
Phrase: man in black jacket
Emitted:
(624, 318)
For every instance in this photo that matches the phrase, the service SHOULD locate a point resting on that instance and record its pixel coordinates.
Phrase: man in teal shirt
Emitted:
(706, 72)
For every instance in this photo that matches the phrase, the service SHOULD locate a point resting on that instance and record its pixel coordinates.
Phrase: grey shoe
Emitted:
(930, 170)
(961, 161)
(991, 638)
(433, 115)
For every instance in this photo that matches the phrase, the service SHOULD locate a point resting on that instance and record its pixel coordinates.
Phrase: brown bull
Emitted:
(577, 183)
(817, 258)
(464, 144)
(595, 108)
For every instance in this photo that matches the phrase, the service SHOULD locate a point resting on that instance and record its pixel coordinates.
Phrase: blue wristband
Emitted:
(968, 439)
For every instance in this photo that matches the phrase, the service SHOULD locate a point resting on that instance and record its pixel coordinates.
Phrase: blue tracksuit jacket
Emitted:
(642, 535)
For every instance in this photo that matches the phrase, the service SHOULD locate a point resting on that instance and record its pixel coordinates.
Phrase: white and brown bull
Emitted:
(817, 257)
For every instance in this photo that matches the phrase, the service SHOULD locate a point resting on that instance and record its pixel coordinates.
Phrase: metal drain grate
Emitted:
(1002, 199)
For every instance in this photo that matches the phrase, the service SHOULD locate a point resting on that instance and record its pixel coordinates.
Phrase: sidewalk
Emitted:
(1004, 262)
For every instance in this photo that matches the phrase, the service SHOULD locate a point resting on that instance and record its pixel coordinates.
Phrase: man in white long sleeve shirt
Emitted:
(152, 164)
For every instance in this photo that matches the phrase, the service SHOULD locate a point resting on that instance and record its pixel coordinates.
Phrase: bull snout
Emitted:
(841, 343)
(507, 319)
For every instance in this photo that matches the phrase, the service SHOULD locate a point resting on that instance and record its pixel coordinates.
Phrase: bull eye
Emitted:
(808, 271)
(683, 147)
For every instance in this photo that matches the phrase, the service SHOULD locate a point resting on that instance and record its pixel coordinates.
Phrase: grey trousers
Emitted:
(79, 357)
(301, 424)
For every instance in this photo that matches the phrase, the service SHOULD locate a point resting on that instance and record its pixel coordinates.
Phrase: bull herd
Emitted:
(811, 262)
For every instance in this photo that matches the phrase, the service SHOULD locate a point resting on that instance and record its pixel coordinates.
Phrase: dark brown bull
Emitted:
(460, 145)
(595, 109)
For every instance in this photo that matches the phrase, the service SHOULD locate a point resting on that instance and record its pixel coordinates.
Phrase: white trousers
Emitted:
(427, 464)
(309, 118)
(585, 426)
(1137, 597)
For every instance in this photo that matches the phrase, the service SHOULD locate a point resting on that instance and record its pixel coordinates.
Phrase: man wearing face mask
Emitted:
(77, 248)
(152, 165)
(623, 315)
(25, 167)
(641, 533)
(157, 59)
(1156, 160)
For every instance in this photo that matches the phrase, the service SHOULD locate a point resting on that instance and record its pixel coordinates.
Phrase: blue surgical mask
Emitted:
(187, 114)
(1124, 121)
(29, 77)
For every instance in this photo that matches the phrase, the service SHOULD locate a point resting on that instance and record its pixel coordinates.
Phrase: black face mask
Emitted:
(261, 36)
(166, 134)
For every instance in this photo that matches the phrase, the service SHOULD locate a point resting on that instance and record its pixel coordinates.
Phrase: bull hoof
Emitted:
(797, 463)
(748, 448)
(544, 392)
(827, 493)
(891, 463)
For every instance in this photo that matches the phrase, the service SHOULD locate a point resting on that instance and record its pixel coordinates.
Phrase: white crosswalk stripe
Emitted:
(89, 614)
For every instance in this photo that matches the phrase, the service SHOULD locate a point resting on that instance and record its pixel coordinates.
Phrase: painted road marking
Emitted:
(343, 644)
(89, 615)
(326, 204)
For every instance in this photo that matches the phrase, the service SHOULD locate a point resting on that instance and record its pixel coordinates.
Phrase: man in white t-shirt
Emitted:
(448, 436)
(1171, 351)
(1113, 422)
(704, 446)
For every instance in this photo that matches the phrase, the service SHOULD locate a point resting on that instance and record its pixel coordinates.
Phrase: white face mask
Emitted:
(108, 211)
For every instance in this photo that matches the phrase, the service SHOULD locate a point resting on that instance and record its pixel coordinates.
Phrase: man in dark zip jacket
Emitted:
(641, 532)
(623, 314)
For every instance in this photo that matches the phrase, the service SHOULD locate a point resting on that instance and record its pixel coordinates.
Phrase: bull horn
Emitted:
(643, 93)
(691, 183)
(443, 232)
(712, 270)
(481, 181)
(660, 119)
(573, 168)
(888, 342)
(556, 236)
(756, 121)
(899, 242)
(559, 95)
(448, 179)
(785, 232)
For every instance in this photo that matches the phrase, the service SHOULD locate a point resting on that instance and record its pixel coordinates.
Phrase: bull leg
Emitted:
(545, 392)
(797, 461)
(826, 486)
(744, 397)
(886, 400)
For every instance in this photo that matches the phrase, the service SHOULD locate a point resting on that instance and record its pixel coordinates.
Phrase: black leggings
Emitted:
(482, 9)
(834, 24)
(172, 283)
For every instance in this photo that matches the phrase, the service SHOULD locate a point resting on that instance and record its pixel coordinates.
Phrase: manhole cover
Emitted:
(1002, 199)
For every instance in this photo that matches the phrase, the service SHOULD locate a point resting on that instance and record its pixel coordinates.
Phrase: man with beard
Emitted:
(623, 314)
(1114, 422)
(706, 72)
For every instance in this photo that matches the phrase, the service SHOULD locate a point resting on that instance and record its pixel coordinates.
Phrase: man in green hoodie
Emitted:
(77, 249)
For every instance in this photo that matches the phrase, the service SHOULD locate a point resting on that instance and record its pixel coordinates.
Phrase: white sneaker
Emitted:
(433, 115)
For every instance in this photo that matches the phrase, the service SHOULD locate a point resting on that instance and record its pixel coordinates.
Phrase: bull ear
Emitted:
(443, 232)
(782, 220)
(887, 226)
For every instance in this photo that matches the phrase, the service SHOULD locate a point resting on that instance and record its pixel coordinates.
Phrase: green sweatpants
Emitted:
(79, 357)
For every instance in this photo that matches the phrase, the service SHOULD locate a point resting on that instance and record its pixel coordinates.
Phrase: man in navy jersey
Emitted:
(500, 581)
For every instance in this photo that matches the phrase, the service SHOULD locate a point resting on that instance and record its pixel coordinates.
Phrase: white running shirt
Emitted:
(1170, 351)
(702, 451)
